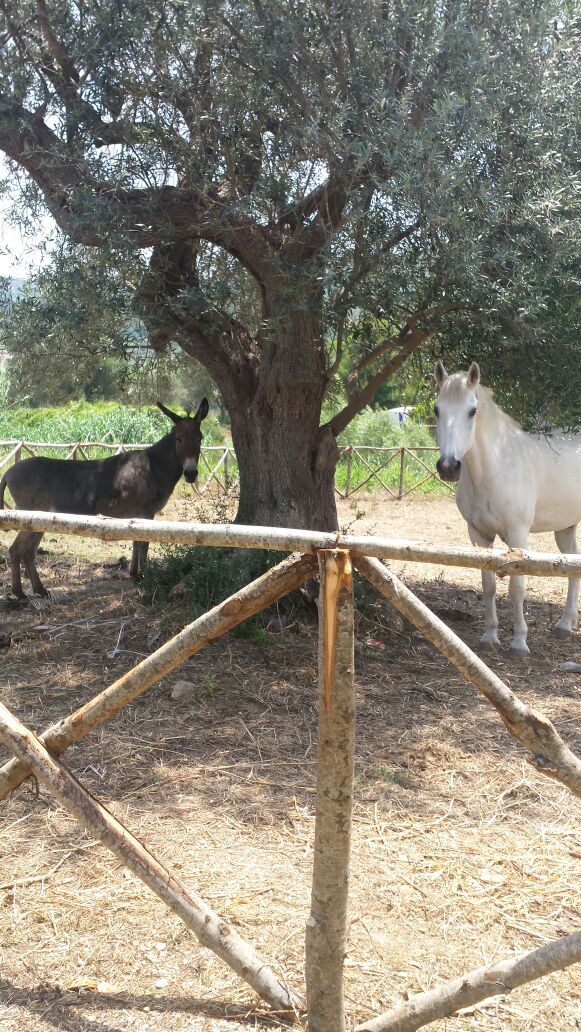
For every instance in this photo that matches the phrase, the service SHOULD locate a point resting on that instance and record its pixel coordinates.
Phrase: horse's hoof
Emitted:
(518, 651)
(489, 645)
(562, 632)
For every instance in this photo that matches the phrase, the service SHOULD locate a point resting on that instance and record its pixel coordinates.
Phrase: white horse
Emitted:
(510, 484)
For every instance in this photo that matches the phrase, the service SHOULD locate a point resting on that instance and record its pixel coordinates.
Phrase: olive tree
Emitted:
(281, 168)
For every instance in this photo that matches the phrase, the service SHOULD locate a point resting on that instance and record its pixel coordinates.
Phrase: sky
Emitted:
(19, 255)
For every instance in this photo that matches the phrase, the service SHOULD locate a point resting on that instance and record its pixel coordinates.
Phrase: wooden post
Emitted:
(326, 932)
(401, 470)
(210, 929)
(262, 592)
(226, 469)
(348, 470)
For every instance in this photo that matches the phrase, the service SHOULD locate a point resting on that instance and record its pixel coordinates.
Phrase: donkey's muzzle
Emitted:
(449, 469)
(190, 475)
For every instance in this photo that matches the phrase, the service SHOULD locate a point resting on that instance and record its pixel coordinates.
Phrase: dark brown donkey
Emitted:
(137, 483)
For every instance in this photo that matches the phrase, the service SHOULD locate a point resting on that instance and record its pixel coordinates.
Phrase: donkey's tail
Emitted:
(2, 489)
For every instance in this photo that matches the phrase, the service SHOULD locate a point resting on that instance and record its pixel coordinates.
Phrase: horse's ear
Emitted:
(203, 410)
(168, 412)
(473, 378)
(440, 374)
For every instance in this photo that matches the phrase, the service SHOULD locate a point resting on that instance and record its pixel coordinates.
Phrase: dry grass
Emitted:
(461, 853)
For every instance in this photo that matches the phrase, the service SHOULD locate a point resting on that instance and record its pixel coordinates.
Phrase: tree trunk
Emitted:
(286, 472)
(286, 460)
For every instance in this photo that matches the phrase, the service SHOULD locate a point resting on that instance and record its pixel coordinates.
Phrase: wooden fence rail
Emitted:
(359, 467)
(326, 925)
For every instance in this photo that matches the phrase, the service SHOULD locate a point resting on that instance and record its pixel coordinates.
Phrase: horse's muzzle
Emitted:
(449, 469)
(190, 475)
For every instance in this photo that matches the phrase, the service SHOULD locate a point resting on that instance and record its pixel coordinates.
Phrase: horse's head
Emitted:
(187, 438)
(455, 410)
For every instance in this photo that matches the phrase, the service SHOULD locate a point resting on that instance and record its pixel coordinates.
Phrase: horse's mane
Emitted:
(492, 410)
(489, 409)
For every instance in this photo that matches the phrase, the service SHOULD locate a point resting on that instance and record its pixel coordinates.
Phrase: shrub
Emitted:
(208, 576)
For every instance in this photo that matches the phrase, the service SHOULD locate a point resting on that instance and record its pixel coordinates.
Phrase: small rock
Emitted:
(572, 668)
(183, 691)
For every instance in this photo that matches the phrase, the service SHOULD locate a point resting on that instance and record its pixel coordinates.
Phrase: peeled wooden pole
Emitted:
(480, 984)
(211, 930)
(326, 932)
(507, 562)
(549, 754)
(262, 592)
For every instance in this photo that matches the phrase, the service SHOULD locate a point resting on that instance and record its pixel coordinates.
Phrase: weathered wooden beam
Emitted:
(474, 986)
(257, 595)
(326, 932)
(548, 752)
(211, 930)
(515, 562)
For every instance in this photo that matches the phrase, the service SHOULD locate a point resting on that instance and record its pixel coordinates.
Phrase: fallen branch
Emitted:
(211, 930)
(549, 754)
(477, 985)
(257, 595)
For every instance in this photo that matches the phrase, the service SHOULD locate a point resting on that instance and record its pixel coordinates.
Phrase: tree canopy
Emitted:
(289, 168)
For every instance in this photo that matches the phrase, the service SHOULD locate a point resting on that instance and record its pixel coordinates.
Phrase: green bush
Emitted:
(207, 576)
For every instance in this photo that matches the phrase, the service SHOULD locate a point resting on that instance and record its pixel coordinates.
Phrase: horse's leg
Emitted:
(140, 549)
(516, 590)
(489, 639)
(23, 549)
(567, 542)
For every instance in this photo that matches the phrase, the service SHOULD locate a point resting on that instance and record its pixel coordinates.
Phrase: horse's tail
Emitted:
(2, 489)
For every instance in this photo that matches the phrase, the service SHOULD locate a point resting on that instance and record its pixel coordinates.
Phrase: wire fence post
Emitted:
(401, 472)
(348, 470)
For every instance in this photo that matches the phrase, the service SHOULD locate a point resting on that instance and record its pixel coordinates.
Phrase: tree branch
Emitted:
(408, 340)
(468, 989)
(172, 304)
(390, 342)
(90, 212)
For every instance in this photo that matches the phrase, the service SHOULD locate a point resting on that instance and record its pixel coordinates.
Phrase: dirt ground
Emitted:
(462, 854)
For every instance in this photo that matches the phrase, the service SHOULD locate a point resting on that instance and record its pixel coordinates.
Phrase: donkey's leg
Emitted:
(140, 549)
(15, 554)
(24, 549)
(489, 639)
(567, 542)
(516, 589)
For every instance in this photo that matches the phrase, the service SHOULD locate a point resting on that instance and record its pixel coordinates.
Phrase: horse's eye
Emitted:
(436, 411)
(472, 413)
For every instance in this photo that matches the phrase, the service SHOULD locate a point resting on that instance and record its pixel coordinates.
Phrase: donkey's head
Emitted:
(187, 438)
(455, 410)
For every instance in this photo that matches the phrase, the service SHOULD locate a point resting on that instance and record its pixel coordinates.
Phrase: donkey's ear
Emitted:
(440, 374)
(203, 410)
(473, 378)
(168, 412)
